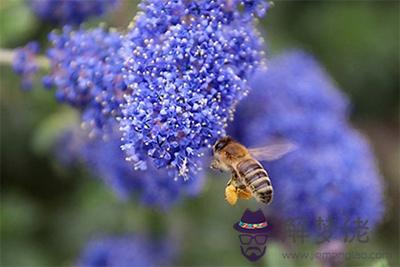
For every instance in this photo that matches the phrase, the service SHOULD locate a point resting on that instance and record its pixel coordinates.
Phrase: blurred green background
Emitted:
(48, 212)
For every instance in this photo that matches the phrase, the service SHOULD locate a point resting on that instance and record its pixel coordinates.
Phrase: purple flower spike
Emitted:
(332, 176)
(187, 63)
(86, 70)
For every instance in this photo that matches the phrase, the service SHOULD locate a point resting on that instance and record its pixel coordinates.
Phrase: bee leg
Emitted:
(244, 193)
(231, 194)
(234, 179)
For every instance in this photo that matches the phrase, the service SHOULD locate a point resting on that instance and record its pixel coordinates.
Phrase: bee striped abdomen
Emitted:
(256, 178)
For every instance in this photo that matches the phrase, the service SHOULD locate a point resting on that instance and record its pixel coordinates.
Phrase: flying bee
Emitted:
(249, 178)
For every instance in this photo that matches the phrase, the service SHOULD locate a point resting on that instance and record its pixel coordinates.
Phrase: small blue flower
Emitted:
(24, 63)
(104, 158)
(332, 174)
(71, 11)
(187, 63)
(126, 251)
(86, 70)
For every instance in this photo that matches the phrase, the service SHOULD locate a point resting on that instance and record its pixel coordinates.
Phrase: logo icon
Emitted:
(253, 229)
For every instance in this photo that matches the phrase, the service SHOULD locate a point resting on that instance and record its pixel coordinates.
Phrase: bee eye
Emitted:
(220, 145)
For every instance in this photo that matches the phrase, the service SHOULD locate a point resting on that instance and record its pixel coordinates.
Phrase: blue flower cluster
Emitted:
(332, 174)
(338, 182)
(86, 70)
(104, 158)
(187, 63)
(71, 11)
(24, 63)
(170, 84)
(126, 251)
(300, 99)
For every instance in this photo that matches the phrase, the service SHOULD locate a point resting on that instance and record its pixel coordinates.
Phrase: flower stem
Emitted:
(7, 58)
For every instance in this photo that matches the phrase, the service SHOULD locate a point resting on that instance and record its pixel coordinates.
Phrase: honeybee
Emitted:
(249, 178)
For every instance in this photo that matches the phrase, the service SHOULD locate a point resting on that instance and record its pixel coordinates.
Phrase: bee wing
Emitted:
(273, 151)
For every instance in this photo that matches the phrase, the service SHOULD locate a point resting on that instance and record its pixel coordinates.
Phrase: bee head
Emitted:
(221, 143)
